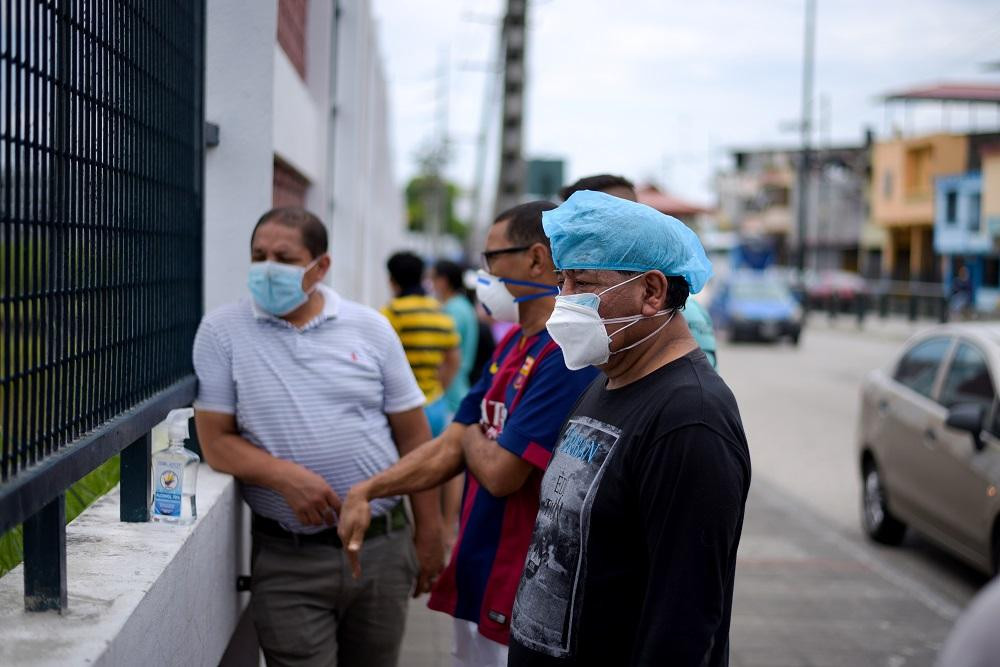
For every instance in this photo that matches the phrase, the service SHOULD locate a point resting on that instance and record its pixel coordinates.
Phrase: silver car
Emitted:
(929, 443)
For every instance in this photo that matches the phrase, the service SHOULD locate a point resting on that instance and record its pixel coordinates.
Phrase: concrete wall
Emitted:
(139, 593)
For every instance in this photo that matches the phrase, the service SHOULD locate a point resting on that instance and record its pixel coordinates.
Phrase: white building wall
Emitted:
(366, 213)
(333, 128)
(239, 68)
(298, 121)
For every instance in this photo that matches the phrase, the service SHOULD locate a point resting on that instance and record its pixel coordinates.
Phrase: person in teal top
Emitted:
(698, 319)
(446, 279)
(700, 324)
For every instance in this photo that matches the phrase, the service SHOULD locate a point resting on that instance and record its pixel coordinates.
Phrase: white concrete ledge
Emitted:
(138, 592)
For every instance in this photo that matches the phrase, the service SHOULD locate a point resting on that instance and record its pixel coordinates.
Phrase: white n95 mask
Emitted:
(499, 303)
(577, 328)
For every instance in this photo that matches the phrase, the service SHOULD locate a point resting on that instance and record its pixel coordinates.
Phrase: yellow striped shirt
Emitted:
(426, 333)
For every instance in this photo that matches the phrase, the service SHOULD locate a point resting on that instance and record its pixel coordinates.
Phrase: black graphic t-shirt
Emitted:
(633, 553)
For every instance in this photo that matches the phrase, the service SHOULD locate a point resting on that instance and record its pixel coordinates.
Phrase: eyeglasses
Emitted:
(487, 256)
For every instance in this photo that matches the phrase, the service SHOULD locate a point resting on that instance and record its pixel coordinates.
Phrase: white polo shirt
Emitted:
(318, 396)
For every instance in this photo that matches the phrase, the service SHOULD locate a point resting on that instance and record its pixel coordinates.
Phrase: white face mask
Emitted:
(499, 303)
(577, 327)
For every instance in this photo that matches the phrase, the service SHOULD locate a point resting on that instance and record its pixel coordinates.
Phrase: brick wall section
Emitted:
(289, 186)
(292, 18)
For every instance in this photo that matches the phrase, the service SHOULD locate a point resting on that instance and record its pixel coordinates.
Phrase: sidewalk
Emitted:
(805, 595)
(894, 327)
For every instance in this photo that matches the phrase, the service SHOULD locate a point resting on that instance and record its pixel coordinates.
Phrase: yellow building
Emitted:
(991, 190)
(902, 198)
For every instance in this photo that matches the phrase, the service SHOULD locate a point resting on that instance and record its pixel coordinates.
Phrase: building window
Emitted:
(289, 187)
(950, 207)
(293, 16)
(887, 185)
(975, 203)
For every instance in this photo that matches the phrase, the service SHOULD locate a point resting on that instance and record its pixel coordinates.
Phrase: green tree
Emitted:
(420, 194)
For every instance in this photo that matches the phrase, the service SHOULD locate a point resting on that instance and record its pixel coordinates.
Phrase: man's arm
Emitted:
(409, 430)
(307, 493)
(497, 470)
(425, 467)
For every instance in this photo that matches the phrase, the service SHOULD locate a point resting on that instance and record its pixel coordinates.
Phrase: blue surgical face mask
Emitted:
(277, 288)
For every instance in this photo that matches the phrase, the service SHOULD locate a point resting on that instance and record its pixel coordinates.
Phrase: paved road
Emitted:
(811, 590)
(800, 409)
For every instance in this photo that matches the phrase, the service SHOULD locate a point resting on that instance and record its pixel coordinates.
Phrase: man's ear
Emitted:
(321, 268)
(655, 293)
(541, 259)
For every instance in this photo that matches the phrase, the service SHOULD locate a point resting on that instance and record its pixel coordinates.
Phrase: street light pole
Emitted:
(805, 158)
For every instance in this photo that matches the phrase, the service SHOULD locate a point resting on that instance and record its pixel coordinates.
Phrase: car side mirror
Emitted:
(969, 417)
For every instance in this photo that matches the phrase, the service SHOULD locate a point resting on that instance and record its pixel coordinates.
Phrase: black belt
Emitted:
(394, 519)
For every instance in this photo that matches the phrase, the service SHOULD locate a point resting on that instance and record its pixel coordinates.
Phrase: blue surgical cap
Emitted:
(593, 230)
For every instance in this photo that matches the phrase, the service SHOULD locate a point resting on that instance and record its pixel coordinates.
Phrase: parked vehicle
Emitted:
(756, 307)
(842, 285)
(929, 443)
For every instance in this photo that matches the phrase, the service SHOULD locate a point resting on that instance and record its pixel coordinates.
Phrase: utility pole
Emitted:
(805, 158)
(510, 183)
(826, 239)
(433, 163)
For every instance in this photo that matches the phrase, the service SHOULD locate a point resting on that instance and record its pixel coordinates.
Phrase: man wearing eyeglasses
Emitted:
(503, 433)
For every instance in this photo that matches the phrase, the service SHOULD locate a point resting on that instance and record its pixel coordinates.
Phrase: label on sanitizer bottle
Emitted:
(168, 477)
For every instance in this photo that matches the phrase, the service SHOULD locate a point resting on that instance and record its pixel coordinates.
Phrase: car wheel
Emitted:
(794, 338)
(878, 522)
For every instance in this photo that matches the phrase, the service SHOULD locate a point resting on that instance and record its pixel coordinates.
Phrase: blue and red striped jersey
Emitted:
(520, 401)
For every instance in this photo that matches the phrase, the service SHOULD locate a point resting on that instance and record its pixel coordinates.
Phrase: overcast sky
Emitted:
(660, 89)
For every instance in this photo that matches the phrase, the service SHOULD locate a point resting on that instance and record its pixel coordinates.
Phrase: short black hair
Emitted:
(314, 236)
(524, 222)
(678, 289)
(678, 292)
(451, 272)
(406, 269)
(598, 183)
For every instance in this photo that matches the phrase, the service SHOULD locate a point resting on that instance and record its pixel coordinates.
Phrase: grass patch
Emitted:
(78, 498)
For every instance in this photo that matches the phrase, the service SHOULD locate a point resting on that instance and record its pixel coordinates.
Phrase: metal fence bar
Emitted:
(45, 557)
(30, 492)
(101, 186)
(135, 467)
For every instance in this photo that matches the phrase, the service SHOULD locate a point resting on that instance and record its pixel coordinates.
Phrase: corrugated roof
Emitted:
(949, 92)
(650, 195)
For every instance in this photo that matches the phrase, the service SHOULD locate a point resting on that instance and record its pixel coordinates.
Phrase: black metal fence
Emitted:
(101, 122)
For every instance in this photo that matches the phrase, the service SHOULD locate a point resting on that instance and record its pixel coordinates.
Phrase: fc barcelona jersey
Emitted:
(520, 402)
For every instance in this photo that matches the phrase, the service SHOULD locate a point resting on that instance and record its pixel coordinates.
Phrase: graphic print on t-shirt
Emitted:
(549, 594)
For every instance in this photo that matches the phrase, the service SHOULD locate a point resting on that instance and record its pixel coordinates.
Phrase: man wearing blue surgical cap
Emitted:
(698, 319)
(633, 555)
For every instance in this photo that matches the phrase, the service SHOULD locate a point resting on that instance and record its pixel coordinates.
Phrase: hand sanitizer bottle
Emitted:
(175, 474)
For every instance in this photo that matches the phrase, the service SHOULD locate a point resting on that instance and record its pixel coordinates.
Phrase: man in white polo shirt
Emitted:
(303, 394)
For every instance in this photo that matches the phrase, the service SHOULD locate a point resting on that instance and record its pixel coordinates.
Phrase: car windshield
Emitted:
(760, 291)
